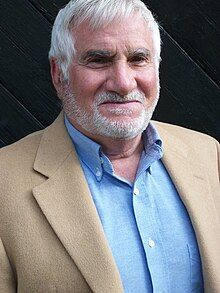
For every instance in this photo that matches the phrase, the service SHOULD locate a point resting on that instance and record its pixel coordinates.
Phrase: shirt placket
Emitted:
(148, 227)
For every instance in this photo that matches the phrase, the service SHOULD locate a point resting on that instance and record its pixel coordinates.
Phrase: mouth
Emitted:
(122, 106)
(119, 103)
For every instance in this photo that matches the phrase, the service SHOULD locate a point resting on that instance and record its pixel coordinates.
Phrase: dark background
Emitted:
(190, 70)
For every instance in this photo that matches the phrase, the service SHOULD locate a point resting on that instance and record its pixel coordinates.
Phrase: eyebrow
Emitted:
(109, 55)
(96, 54)
(140, 51)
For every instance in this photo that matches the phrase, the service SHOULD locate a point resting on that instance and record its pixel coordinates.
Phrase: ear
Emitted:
(55, 72)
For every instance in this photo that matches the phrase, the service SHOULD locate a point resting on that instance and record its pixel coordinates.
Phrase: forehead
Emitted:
(127, 34)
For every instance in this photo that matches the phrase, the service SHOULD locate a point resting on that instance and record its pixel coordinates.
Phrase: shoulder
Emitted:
(200, 151)
(20, 154)
(198, 147)
(185, 135)
(17, 176)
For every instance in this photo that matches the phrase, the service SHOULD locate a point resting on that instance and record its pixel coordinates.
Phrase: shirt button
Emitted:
(98, 173)
(151, 243)
(136, 191)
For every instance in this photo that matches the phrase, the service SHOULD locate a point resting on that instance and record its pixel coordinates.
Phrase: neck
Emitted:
(121, 149)
(124, 154)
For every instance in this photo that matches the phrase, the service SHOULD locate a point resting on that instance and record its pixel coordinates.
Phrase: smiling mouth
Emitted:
(122, 107)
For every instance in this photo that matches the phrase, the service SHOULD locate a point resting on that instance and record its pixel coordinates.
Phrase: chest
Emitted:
(149, 232)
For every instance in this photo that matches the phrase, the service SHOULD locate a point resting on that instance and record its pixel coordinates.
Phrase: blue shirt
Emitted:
(145, 222)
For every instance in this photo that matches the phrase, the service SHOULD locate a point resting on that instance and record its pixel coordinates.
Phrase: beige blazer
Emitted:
(51, 237)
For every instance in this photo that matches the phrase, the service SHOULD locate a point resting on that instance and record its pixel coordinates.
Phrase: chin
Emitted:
(117, 128)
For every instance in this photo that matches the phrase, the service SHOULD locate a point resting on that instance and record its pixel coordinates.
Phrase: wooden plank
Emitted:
(195, 26)
(48, 9)
(26, 80)
(15, 120)
(2, 143)
(188, 96)
(28, 29)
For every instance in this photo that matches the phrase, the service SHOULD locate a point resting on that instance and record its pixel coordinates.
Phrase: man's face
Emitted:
(114, 83)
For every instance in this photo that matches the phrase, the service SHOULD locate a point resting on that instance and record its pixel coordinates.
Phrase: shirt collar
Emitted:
(153, 148)
(90, 152)
(151, 137)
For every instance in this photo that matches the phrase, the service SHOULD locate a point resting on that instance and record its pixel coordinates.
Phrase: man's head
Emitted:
(104, 64)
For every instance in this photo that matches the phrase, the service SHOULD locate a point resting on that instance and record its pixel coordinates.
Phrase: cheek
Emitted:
(150, 85)
(87, 84)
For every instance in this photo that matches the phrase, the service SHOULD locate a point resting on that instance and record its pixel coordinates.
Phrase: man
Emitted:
(104, 200)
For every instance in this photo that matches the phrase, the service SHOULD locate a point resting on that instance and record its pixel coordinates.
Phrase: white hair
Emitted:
(97, 13)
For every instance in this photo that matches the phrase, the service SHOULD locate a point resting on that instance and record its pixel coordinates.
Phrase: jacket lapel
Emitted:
(191, 181)
(65, 200)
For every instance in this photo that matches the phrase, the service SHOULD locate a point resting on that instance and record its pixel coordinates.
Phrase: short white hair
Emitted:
(97, 13)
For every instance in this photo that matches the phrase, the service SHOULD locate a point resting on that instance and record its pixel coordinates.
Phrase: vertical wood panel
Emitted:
(15, 120)
(188, 96)
(195, 27)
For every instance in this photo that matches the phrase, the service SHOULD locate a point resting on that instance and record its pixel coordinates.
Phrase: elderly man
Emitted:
(104, 200)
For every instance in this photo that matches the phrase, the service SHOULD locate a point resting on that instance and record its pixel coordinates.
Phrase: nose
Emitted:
(121, 79)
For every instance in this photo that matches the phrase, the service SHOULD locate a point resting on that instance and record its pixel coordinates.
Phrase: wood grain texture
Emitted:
(188, 96)
(26, 35)
(48, 9)
(15, 120)
(25, 79)
(195, 26)
(2, 143)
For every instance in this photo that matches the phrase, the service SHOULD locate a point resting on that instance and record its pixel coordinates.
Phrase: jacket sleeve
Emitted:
(7, 282)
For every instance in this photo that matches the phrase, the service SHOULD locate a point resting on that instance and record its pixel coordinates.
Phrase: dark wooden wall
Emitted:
(190, 70)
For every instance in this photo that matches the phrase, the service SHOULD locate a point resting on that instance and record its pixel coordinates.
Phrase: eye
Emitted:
(139, 60)
(98, 62)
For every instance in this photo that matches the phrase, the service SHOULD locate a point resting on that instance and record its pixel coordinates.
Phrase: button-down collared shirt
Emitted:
(145, 222)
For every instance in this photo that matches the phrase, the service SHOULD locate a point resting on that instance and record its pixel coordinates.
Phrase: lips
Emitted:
(119, 103)
(126, 107)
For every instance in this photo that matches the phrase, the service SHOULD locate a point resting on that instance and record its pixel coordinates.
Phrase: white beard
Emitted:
(97, 124)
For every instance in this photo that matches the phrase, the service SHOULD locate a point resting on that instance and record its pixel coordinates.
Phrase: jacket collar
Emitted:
(65, 200)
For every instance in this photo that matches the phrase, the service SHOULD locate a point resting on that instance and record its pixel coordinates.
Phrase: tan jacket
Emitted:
(51, 237)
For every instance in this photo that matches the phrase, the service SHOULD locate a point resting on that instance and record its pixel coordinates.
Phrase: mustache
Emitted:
(114, 97)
